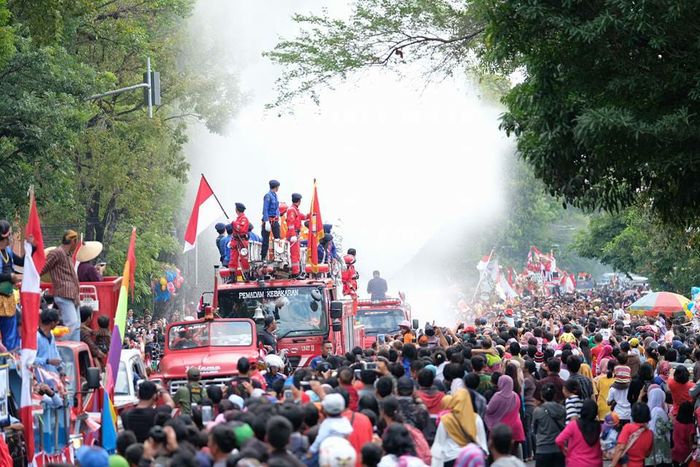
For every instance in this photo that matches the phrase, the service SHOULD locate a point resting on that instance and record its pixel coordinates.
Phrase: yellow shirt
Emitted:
(601, 387)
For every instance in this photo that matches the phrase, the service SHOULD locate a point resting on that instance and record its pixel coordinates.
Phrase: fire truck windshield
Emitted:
(215, 333)
(297, 310)
(380, 321)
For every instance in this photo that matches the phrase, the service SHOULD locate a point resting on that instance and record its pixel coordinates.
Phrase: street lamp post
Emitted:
(151, 86)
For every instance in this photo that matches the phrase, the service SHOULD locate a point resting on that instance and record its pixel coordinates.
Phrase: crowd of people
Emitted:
(559, 381)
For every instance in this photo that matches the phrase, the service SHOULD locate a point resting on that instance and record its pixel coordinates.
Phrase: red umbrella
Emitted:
(654, 303)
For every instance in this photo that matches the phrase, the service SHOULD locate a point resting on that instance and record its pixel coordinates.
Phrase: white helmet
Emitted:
(274, 360)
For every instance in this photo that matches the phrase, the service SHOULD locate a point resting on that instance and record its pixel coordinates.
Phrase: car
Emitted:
(132, 371)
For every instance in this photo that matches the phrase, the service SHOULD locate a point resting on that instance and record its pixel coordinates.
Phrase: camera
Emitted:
(370, 365)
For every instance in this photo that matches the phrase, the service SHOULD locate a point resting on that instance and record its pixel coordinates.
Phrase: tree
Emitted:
(608, 102)
(104, 165)
(637, 240)
(378, 33)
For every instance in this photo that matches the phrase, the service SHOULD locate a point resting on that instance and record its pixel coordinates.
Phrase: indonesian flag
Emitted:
(30, 298)
(205, 211)
(316, 232)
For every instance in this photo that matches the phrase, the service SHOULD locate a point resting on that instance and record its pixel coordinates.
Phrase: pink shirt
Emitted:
(512, 419)
(578, 451)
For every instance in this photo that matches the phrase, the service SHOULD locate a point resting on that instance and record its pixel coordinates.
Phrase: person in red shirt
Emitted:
(683, 434)
(679, 385)
(294, 218)
(638, 436)
(595, 353)
(362, 430)
(239, 244)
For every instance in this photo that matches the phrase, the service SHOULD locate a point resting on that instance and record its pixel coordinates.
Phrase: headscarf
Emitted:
(604, 366)
(605, 353)
(656, 400)
(470, 456)
(460, 423)
(502, 402)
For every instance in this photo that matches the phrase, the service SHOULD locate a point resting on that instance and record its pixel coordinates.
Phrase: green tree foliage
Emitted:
(607, 108)
(637, 240)
(388, 33)
(102, 166)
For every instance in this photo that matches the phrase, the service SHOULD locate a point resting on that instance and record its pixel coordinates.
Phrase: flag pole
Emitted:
(215, 197)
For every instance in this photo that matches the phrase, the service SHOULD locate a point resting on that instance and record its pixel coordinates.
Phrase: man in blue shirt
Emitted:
(252, 236)
(270, 217)
(47, 355)
(220, 228)
(224, 246)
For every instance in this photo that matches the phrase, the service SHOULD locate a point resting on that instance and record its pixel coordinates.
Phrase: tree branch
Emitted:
(414, 40)
(183, 116)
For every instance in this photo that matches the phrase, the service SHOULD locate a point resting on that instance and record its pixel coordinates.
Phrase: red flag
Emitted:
(30, 298)
(206, 210)
(33, 232)
(131, 258)
(316, 232)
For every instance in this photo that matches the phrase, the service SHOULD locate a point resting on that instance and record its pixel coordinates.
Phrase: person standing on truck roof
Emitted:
(189, 394)
(87, 270)
(294, 218)
(270, 217)
(225, 244)
(66, 288)
(252, 236)
(239, 244)
(220, 229)
(377, 287)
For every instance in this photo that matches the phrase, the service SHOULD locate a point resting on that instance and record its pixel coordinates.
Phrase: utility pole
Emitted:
(150, 85)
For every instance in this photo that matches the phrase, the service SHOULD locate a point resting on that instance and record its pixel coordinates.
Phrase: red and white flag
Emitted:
(205, 211)
(30, 298)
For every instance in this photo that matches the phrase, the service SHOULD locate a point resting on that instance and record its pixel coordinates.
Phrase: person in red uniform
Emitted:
(350, 275)
(239, 243)
(294, 218)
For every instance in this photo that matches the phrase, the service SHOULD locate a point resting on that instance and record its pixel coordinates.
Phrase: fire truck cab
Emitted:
(212, 345)
(307, 311)
(381, 317)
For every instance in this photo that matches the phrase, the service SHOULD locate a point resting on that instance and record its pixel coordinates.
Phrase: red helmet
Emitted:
(349, 259)
(283, 208)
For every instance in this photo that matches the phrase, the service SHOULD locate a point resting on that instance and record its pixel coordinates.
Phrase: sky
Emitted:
(395, 159)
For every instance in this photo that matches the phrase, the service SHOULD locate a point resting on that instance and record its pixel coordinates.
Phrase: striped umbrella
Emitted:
(654, 303)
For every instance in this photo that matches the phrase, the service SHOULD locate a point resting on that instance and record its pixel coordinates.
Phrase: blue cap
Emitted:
(274, 183)
(240, 207)
(229, 228)
(92, 456)
(220, 226)
(296, 197)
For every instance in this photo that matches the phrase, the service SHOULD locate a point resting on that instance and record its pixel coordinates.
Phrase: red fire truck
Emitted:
(211, 345)
(382, 317)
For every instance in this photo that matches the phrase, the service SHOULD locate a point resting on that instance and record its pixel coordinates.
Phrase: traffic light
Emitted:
(155, 88)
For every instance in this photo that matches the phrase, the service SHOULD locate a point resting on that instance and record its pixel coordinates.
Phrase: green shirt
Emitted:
(186, 396)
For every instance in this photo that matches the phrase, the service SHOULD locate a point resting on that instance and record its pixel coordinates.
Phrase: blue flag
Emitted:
(109, 431)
